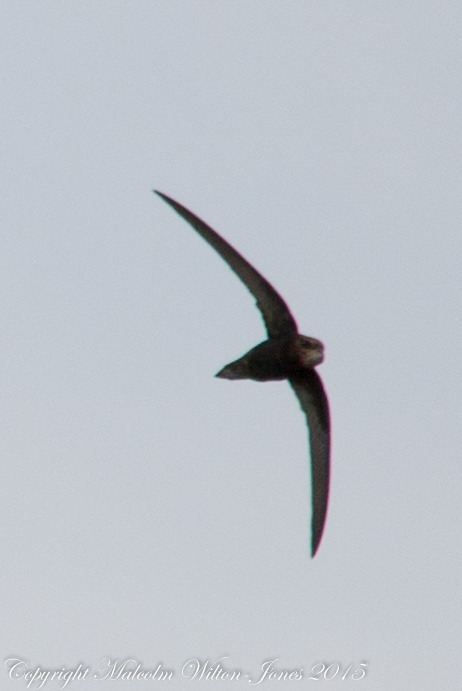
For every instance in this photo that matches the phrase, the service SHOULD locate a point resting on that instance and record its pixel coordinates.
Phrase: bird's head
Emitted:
(311, 351)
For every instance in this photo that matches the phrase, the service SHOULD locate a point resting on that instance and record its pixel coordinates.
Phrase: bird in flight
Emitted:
(286, 354)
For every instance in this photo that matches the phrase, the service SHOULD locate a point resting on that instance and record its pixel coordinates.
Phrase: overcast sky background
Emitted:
(149, 510)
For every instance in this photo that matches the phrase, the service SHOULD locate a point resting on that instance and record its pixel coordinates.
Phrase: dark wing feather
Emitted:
(313, 400)
(276, 315)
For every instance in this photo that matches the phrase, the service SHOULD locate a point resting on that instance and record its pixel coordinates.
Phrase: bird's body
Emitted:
(275, 359)
(285, 355)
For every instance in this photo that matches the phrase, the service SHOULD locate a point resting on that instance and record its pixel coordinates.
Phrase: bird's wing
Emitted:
(276, 315)
(313, 400)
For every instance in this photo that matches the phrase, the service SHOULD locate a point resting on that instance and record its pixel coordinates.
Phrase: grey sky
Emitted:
(149, 510)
